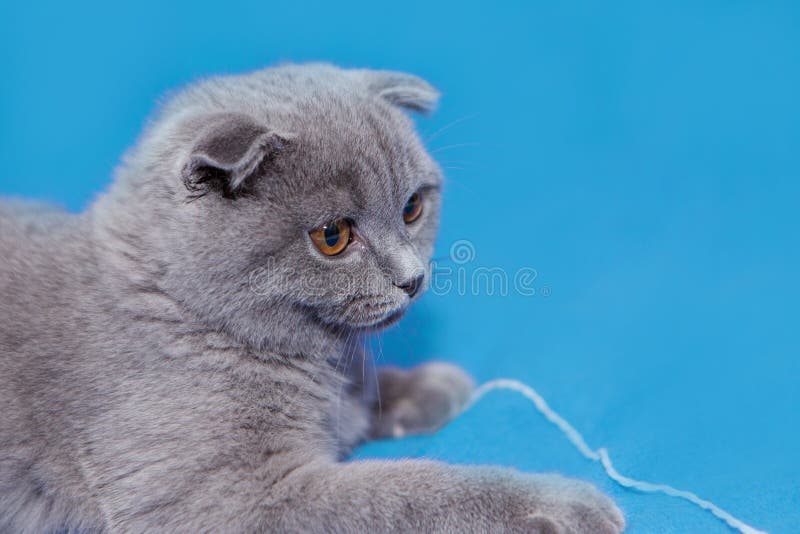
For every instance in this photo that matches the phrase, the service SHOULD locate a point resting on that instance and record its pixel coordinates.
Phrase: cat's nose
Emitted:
(412, 285)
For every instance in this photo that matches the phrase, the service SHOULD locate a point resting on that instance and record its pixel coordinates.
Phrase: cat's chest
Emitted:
(267, 390)
(256, 397)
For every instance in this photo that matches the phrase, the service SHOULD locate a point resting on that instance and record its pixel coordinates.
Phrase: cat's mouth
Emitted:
(372, 313)
(388, 321)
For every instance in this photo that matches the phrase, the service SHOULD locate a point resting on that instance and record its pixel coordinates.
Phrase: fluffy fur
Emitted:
(181, 358)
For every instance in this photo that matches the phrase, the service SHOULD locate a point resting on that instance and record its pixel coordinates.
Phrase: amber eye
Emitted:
(413, 208)
(332, 238)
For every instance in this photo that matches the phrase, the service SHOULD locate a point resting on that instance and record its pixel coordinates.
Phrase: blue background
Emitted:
(642, 157)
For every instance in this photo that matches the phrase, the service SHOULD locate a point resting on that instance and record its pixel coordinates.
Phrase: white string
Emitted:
(601, 455)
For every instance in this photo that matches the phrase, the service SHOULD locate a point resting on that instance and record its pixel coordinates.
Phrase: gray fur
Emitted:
(180, 358)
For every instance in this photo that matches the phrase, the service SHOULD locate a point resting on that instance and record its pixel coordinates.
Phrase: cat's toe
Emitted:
(580, 507)
(422, 400)
(555, 504)
(443, 383)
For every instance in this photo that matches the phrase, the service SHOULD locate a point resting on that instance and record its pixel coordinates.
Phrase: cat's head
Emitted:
(293, 197)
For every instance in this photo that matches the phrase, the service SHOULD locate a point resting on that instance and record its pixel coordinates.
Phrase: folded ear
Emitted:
(404, 90)
(230, 150)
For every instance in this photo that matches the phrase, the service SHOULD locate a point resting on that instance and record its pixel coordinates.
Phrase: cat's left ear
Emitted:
(404, 90)
(229, 150)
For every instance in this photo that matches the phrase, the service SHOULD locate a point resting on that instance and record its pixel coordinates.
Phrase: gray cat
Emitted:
(186, 355)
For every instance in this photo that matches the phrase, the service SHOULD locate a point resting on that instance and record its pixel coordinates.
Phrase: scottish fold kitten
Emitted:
(185, 356)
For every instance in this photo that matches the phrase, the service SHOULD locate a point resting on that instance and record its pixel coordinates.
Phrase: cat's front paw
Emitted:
(565, 506)
(420, 400)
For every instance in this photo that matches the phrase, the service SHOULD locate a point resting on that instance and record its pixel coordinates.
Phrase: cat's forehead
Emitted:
(349, 141)
(362, 149)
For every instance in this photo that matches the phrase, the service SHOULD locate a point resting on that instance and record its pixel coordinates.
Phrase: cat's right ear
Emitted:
(401, 89)
(230, 150)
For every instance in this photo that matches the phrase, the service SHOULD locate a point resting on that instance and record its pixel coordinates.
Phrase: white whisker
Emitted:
(446, 127)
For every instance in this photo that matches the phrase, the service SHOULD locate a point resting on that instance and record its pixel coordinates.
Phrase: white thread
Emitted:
(601, 455)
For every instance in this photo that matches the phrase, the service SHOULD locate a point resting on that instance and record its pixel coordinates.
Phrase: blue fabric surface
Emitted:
(642, 157)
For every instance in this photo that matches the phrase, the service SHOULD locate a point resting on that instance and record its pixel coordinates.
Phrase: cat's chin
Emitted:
(386, 322)
(373, 324)
(368, 314)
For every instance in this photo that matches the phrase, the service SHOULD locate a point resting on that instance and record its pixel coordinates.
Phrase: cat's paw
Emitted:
(565, 506)
(420, 400)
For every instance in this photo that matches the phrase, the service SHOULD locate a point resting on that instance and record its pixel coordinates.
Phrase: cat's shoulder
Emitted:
(35, 238)
(31, 216)
(27, 223)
